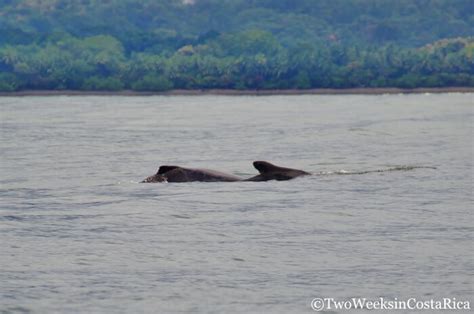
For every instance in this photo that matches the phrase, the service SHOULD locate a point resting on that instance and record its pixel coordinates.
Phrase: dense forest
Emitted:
(157, 45)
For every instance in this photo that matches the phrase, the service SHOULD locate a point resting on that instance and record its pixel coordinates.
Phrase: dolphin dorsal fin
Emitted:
(164, 169)
(265, 167)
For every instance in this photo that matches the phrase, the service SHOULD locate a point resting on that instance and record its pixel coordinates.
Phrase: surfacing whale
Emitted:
(267, 171)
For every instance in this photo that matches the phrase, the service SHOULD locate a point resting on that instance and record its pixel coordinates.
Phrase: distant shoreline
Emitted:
(233, 92)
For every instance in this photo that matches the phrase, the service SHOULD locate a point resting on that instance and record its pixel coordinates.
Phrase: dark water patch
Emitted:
(28, 193)
(15, 309)
(50, 218)
(180, 216)
(12, 218)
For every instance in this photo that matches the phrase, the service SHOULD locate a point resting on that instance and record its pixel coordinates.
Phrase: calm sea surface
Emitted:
(79, 234)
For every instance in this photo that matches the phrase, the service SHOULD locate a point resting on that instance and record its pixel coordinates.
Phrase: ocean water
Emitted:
(79, 234)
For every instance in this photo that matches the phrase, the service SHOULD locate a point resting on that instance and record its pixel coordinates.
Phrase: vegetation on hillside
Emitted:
(157, 45)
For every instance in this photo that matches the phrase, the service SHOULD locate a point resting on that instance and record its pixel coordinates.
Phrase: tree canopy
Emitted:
(156, 45)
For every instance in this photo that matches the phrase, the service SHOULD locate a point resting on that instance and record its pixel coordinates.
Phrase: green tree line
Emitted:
(159, 45)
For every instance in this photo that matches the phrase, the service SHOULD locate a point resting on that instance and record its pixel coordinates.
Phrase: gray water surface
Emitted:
(79, 234)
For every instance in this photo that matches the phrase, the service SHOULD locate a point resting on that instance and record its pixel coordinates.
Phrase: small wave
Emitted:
(395, 168)
(12, 218)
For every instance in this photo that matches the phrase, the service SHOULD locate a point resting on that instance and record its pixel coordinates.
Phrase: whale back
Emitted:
(270, 171)
(164, 169)
(180, 174)
(267, 171)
